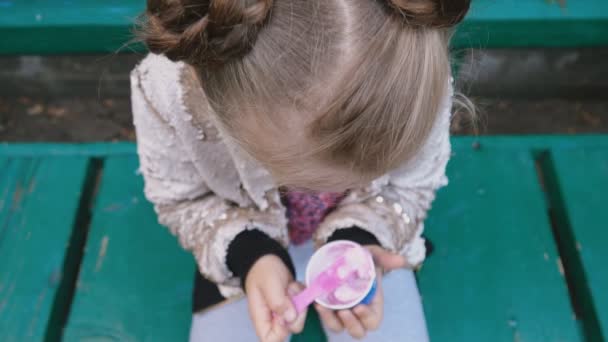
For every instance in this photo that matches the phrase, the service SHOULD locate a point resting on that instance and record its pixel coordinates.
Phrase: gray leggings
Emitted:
(403, 315)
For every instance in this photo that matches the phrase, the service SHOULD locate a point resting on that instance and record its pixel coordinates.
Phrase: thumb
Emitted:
(275, 295)
(387, 260)
(298, 324)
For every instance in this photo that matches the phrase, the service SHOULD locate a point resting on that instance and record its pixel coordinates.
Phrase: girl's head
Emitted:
(324, 93)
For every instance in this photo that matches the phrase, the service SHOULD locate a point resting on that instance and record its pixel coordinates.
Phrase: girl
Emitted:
(261, 122)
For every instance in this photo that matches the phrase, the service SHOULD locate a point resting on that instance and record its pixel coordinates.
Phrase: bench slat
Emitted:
(527, 23)
(529, 142)
(515, 296)
(531, 23)
(35, 230)
(64, 26)
(43, 13)
(135, 282)
(92, 26)
(582, 177)
(494, 275)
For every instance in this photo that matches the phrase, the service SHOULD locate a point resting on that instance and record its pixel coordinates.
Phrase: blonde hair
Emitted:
(325, 93)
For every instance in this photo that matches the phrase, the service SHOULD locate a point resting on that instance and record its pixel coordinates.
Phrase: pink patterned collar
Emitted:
(306, 210)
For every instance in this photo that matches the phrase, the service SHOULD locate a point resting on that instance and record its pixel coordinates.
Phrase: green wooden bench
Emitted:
(518, 233)
(80, 246)
(93, 26)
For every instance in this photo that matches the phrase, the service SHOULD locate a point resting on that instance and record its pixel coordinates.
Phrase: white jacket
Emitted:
(207, 190)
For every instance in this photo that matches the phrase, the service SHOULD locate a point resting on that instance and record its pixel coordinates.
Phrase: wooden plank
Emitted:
(39, 199)
(93, 26)
(579, 187)
(542, 23)
(65, 26)
(135, 282)
(494, 275)
(535, 142)
(66, 149)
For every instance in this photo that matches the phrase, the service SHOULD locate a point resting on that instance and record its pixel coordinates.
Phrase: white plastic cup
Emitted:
(325, 257)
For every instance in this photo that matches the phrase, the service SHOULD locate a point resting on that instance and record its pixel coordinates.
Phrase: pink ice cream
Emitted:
(358, 273)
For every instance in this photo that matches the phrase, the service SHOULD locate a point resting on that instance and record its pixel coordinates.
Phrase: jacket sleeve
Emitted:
(203, 222)
(393, 208)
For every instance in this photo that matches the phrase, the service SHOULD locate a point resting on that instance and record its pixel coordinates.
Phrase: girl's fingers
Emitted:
(330, 319)
(297, 326)
(278, 333)
(367, 317)
(371, 315)
(377, 305)
(260, 314)
(276, 298)
(268, 327)
(351, 324)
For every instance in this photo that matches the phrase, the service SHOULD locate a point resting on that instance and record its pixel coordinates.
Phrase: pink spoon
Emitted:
(336, 275)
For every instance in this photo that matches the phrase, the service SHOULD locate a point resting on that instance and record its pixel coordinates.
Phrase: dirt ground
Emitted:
(65, 119)
(519, 91)
(27, 119)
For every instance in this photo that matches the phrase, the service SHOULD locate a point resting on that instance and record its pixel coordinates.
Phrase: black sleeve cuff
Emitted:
(355, 234)
(249, 246)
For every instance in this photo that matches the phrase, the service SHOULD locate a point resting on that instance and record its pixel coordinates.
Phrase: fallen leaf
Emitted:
(56, 111)
(35, 110)
(108, 103)
(591, 119)
(128, 133)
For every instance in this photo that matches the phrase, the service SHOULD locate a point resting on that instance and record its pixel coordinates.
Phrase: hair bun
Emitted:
(203, 31)
(432, 13)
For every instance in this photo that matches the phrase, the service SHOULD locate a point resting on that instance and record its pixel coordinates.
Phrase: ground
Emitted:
(70, 119)
(519, 91)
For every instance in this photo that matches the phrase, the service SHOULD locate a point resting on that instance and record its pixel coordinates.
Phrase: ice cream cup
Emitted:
(327, 255)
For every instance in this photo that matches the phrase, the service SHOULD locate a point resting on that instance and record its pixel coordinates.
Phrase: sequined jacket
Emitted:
(206, 190)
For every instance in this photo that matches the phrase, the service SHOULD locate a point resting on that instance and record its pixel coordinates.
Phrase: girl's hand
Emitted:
(363, 318)
(269, 288)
